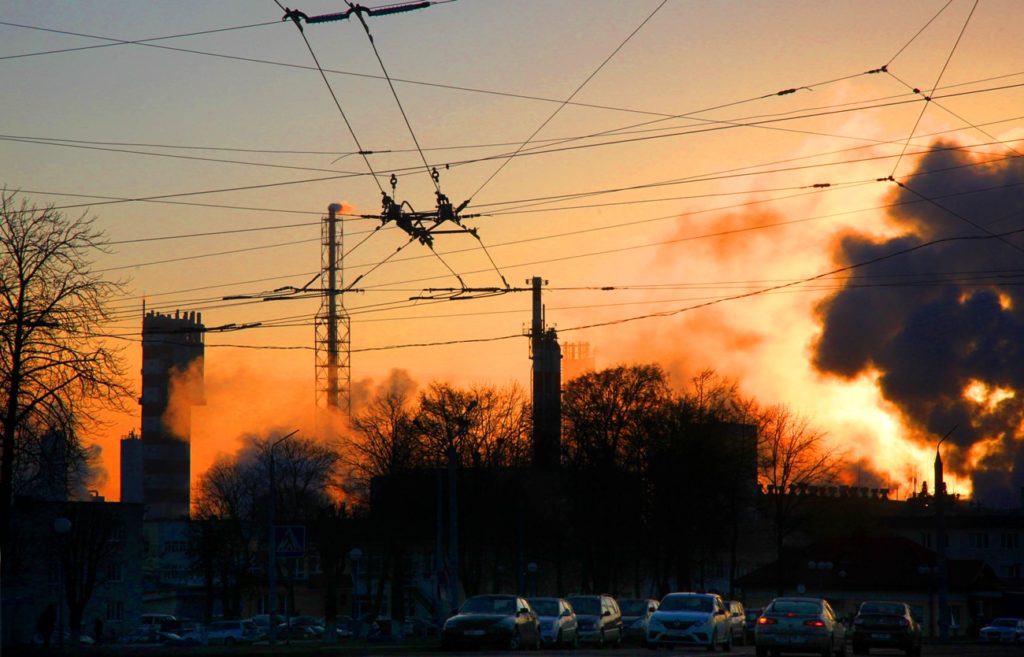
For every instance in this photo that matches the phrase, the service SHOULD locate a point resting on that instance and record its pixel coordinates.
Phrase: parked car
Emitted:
(262, 622)
(885, 625)
(690, 619)
(799, 625)
(501, 620)
(750, 624)
(737, 621)
(558, 624)
(232, 632)
(636, 614)
(1003, 630)
(599, 618)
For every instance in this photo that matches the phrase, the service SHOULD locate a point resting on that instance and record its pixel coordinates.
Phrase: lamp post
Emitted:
(61, 527)
(356, 555)
(272, 551)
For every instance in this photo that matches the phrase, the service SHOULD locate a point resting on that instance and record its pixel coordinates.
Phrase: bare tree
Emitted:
(385, 442)
(53, 367)
(608, 415)
(792, 454)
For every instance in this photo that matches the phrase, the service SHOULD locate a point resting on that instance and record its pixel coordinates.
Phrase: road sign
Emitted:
(289, 540)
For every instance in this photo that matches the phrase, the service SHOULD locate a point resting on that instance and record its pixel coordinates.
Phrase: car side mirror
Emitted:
(566, 613)
(651, 610)
(606, 613)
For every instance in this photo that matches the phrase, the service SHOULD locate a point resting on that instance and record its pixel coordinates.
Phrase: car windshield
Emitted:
(489, 605)
(796, 607)
(881, 608)
(1004, 622)
(586, 606)
(545, 607)
(686, 603)
(633, 607)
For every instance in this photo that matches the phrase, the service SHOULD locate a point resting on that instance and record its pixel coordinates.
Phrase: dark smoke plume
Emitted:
(937, 319)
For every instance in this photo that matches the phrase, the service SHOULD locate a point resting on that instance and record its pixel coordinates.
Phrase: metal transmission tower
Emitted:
(333, 326)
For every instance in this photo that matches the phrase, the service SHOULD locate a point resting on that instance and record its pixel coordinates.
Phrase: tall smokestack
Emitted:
(547, 386)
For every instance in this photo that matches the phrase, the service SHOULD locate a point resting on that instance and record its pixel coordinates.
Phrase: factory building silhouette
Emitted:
(156, 466)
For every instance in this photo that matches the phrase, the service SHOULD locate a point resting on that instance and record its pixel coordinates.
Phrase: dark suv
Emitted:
(885, 625)
(599, 618)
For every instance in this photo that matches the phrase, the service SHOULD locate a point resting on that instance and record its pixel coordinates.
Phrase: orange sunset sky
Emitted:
(686, 173)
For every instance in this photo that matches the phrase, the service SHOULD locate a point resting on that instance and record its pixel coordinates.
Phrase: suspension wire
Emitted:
(928, 97)
(394, 93)
(337, 103)
(914, 38)
(565, 102)
(995, 140)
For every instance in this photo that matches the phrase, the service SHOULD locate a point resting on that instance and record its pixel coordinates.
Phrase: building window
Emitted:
(175, 547)
(115, 610)
(1012, 571)
(1010, 541)
(977, 540)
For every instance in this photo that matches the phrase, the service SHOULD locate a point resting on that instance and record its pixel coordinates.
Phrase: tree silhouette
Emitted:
(54, 369)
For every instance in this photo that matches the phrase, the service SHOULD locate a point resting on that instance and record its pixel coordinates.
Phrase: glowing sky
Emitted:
(722, 201)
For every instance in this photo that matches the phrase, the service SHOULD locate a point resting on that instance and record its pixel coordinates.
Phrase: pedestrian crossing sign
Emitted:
(289, 540)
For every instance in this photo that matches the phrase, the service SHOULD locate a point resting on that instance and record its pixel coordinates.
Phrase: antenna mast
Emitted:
(333, 326)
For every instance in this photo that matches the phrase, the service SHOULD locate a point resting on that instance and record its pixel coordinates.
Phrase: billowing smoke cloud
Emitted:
(942, 325)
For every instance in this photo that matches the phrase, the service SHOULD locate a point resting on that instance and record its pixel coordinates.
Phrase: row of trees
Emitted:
(654, 484)
(662, 462)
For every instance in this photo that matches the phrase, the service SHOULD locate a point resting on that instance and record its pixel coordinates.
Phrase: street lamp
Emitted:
(355, 555)
(272, 552)
(61, 527)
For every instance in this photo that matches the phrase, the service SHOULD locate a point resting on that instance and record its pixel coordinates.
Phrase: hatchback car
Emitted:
(507, 621)
(693, 619)
(885, 625)
(1003, 630)
(599, 618)
(636, 614)
(558, 624)
(799, 625)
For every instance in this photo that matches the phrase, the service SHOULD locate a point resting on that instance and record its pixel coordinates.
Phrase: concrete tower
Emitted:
(172, 362)
(547, 387)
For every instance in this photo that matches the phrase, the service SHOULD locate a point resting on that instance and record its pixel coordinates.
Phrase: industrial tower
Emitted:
(333, 326)
(547, 387)
(156, 468)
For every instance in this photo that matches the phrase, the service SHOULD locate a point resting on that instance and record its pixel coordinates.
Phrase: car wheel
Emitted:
(600, 639)
(618, 640)
(727, 646)
(713, 643)
(516, 642)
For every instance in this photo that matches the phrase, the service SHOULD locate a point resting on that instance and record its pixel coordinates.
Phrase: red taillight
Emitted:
(764, 620)
(817, 622)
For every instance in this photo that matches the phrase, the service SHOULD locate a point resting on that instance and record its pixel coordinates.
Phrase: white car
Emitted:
(1003, 630)
(690, 619)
